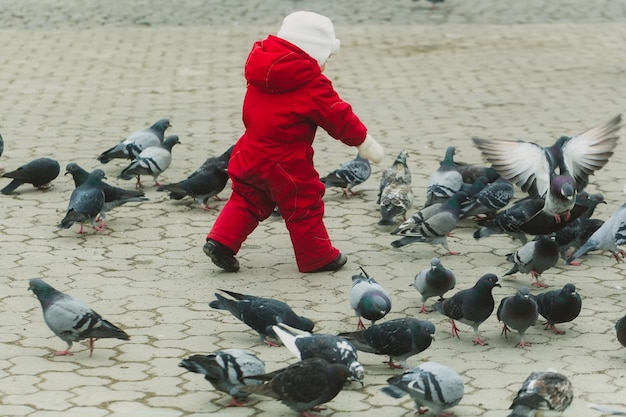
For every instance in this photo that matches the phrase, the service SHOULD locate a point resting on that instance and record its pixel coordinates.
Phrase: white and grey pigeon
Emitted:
(153, 161)
(556, 173)
(226, 370)
(332, 348)
(349, 175)
(395, 200)
(86, 203)
(71, 319)
(489, 199)
(518, 312)
(434, 281)
(445, 181)
(542, 391)
(368, 299)
(534, 258)
(39, 172)
(398, 168)
(136, 142)
(432, 386)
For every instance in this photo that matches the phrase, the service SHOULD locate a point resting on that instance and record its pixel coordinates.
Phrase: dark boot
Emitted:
(221, 256)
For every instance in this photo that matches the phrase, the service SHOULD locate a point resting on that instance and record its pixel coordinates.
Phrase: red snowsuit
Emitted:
(272, 163)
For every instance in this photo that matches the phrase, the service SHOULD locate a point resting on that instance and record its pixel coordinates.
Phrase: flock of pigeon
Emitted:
(557, 212)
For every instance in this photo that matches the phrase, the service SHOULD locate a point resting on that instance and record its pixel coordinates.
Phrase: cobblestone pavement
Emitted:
(77, 76)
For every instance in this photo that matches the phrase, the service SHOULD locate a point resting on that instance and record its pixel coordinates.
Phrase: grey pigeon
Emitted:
(489, 199)
(261, 314)
(136, 142)
(554, 174)
(609, 236)
(86, 203)
(227, 370)
(445, 181)
(398, 338)
(113, 196)
(575, 234)
(71, 319)
(38, 172)
(368, 299)
(559, 306)
(542, 391)
(470, 306)
(334, 349)
(349, 175)
(620, 328)
(432, 386)
(398, 170)
(432, 224)
(153, 161)
(518, 312)
(534, 258)
(303, 386)
(434, 281)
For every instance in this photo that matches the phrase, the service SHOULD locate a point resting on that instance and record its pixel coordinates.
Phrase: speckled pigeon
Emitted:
(432, 386)
(136, 142)
(227, 370)
(349, 175)
(398, 170)
(396, 199)
(470, 306)
(518, 312)
(86, 203)
(445, 181)
(153, 160)
(434, 281)
(620, 328)
(542, 391)
(38, 172)
(261, 314)
(71, 319)
(559, 306)
(534, 258)
(368, 299)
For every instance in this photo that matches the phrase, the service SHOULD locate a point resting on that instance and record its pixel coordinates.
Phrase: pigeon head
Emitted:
(448, 159)
(357, 372)
(71, 168)
(42, 290)
(488, 281)
(402, 157)
(161, 125)
(170, 141)
(569, 290)
(564, 186)
(96, 176)
(424, 330)
(524, 292)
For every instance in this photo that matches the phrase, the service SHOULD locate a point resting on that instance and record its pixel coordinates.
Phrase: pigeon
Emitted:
(136, 142)
(113, 196)
(534, 168)
(212, 162)
(1, 150)
(575, 234)
(431, 224)
(227, 370)
(542, 391)
(153, 160)
(607, 410)
(489, 199)
(349, 175)
(261, 314)
(608, 237)
(334, 349)
(396, 200)
(620, 328)
(86, 203)
(303, 386)
(470, 306)
(471, 172)
(559, 306)
(368, 299)
(534, 257)
(398, 338)
(71, 319)
(434, 387)
(518, 312)
(434, 281)
(398, 170)
(38, 172)
(445, 181)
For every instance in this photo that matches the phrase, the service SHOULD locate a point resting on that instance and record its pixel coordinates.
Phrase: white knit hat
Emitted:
(311, 32)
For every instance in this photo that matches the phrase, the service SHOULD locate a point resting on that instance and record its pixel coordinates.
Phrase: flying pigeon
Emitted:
(86, 203)
(620, 328)
(434, 281)
(38, 172)
(153, 160)
(434, 387)
(554, 174)
(489, 199)
(334, 349)
(470, 306)
(575, 234)
(397, 338)
(261, 314)
(349, 175)
(396, 200)
(398, 170)
(559, 306)
(303, 386)
(445, 181)
(136, 142)
(71, 319)
(431, 224)
(368, 299)
(534, 257)
(227, 370)
(542, 391)
(518, 312)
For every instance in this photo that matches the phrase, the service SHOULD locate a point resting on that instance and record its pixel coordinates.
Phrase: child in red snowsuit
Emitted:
(287, 98)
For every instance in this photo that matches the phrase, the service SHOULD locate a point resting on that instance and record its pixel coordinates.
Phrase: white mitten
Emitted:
(370, 149)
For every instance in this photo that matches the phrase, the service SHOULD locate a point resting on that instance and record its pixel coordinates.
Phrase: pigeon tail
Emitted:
(522, 411)
(12, 186)
(394, 391)
(107, 330)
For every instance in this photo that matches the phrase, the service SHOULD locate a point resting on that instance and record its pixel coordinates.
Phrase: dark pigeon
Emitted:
(153, 160)
(574, 235)
(434, 281)
(136, 142)
(86, 203)
(620, 328)
(213, 162)
(1, 150)
(542, 391)
(227, 370)
(489, 199)
(471, 306)
(518, 312)
(261, 314)
(349, 175)
(38, 172)
(445, 181)
(368, 299)
(71, 319)
(397, 338)
(471, 172)
(534, 258)
(559, 306)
